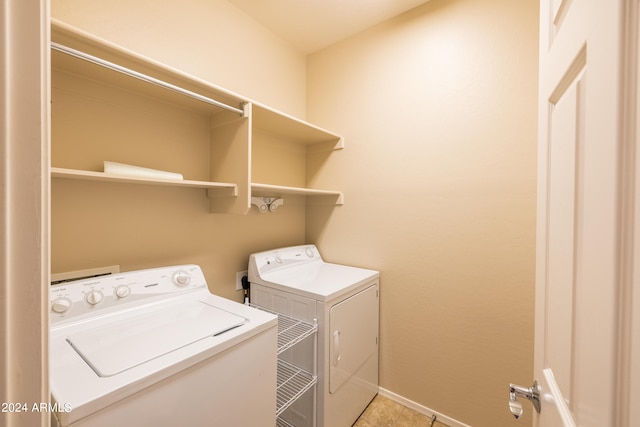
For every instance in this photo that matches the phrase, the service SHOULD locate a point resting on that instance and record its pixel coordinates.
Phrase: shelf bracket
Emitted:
(222, 192)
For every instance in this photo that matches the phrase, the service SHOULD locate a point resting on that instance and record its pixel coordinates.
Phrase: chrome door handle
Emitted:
(532, 394)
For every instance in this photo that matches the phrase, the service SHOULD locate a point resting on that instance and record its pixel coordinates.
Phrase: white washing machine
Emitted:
(345, 302)
(156, 348)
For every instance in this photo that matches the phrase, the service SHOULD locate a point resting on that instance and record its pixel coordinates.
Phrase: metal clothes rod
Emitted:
(143, 77)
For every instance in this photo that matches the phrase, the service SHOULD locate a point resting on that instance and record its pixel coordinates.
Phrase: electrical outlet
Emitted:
(239, 276)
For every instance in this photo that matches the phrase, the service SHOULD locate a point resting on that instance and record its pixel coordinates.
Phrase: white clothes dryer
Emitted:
(156, 348)
(344, 301)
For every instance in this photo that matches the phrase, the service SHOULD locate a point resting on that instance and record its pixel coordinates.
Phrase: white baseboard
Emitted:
(420, 408)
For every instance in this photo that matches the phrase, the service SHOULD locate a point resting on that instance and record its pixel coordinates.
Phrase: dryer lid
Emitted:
(124, 344)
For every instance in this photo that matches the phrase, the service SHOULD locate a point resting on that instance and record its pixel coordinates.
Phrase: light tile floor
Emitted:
(384, 412)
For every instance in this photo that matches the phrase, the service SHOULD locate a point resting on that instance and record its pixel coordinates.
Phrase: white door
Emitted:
(581, 227)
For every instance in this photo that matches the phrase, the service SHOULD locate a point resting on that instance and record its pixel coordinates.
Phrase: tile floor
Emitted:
(384, 412)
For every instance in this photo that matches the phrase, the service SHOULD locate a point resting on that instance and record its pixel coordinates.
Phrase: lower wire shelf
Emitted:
(282, 423)
(293, 382)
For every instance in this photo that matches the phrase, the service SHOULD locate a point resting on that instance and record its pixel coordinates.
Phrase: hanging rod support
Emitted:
(143, 77)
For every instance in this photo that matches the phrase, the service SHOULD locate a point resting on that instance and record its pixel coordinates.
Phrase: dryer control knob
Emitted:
(122, 291)
(181, 278)
(94, 297)
(61, 305)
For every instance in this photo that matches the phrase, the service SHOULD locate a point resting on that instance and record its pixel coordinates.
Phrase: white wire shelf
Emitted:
(293, 382)
(290, 331)
(282, 423)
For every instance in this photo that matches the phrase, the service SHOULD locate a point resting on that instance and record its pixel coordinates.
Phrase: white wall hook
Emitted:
(266, 204)
(275, 204)
(261, 203)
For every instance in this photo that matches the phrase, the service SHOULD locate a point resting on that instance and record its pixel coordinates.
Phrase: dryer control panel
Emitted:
(280, 259)
(118, 291)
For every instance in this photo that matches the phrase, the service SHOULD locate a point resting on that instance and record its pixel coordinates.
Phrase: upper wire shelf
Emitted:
(290, 331)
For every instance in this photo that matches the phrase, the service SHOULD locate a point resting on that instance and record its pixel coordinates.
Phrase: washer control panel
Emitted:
(279, 259)
(107, 293)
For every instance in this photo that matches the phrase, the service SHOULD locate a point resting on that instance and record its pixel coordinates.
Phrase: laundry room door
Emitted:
(584, 173)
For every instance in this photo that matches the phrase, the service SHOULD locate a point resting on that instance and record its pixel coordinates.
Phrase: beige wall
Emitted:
(212, 40)
(438, 111)
(98, 224)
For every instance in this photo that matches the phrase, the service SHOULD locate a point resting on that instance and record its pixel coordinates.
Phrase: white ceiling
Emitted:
(313, 24)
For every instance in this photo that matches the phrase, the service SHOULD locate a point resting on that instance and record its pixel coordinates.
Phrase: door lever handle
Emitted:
(532, 394)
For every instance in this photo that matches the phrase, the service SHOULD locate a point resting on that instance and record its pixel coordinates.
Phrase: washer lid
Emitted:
(121, 345)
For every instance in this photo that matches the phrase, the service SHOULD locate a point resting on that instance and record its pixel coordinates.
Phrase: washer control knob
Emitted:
(61, 305)
(122, 291)
(94, 297)
(181, 278)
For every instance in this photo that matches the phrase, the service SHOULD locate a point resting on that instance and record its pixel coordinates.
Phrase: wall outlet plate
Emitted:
(239, 276)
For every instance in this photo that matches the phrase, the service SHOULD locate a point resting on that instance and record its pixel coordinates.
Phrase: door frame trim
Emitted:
(24, 208)
(628, 240)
